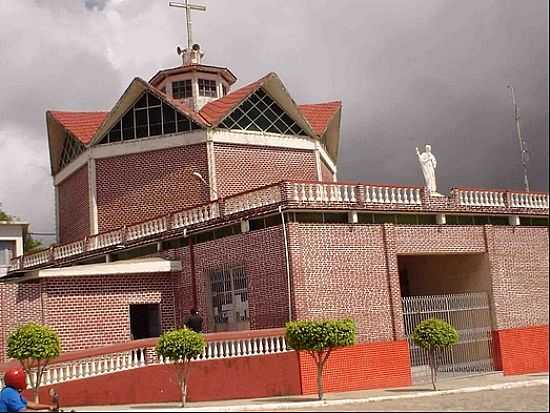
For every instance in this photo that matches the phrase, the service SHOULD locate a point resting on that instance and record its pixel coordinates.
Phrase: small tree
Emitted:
(34, 346)
(181, 346)
(31, 244)
(318, 339)
(434, 335)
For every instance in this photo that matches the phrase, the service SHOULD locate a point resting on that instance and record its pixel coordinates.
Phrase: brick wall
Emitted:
(415, 239)
(519, 267)
(341, 271)
(521, 350)
(136, 187)
(360, 367)
(326, 173)
(19, 304)
(89, 312)
(74, 214)
(261, 254)
(240, 168)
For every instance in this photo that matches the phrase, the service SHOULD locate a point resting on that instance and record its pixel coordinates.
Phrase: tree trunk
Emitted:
(183, 390)
(433, 368)
(320, 391)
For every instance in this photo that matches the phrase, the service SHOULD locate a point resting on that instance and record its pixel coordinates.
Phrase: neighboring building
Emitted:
(12, 236)
(190, 194)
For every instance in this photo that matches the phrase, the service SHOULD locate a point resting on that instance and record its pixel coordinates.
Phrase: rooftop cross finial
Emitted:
(188, 7)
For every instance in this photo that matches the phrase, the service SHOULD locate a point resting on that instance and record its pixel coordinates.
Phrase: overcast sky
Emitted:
(409, 72)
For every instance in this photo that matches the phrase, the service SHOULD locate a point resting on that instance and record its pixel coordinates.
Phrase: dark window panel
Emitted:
(427, 220)
(273, 220)
(153, 100)
(256, 224)
(128, 126)
(155, 123)
(406, 219)
(309, 217)
(262, 122)
(384, 219)
(363, 218)
(336, 217)
(465, 220)
(499, 221)
(142, 102)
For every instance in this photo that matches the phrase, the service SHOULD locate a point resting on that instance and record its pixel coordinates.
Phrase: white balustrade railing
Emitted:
(37, 258)
(145, 356)
(253, 199)
(196, 215)
(481, 198)
(68, 250)
(104, 240)
(529, 200)
(298, 192)
(146, 229)
(324, 193)
(392, 195)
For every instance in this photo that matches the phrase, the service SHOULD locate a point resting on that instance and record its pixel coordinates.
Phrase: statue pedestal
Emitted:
(437, 195)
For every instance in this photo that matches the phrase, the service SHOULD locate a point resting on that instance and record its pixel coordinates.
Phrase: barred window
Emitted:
(148, 117)
(208, 88)
(260, 113)
(229, 292)
(71, 149)
(182, 89)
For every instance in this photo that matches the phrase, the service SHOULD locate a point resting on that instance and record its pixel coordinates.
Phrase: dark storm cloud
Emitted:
(408, 73)
(95, 4)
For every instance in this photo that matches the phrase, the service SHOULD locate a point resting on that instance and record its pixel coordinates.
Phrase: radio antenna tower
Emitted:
(522, 142)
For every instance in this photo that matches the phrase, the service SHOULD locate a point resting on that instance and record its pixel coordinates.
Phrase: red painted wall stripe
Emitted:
(363, 366)
(522, 350)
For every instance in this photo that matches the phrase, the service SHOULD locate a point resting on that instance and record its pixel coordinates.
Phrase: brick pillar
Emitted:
(390, 250)
(489, 235)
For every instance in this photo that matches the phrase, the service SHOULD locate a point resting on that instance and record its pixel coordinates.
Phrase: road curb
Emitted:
(338, 402)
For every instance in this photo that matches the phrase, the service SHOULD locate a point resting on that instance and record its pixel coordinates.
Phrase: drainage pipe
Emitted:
(287, 263)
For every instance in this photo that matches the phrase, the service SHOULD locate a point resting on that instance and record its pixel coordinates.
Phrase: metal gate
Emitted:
(470, 314)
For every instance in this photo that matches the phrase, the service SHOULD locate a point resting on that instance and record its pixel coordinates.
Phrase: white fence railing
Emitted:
(529, 200)
(482, 198)
(393, 195)
(323, 193)
(305, 193)
(253, 199)
(145, 356)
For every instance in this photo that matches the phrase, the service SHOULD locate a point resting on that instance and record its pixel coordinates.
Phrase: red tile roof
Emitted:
(82, 125)
(214, 112)
(319, 115)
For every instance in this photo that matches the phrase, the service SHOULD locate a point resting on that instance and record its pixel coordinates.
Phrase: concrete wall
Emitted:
(446, 274)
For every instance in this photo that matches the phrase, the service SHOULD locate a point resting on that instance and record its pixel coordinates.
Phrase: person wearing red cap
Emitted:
(11, 400)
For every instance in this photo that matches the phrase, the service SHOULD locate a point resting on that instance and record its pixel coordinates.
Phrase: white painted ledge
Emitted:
(137, 266)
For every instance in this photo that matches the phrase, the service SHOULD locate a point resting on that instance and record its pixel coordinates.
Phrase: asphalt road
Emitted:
(532, 399)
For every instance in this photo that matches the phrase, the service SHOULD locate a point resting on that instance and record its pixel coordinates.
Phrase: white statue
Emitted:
(428, 163)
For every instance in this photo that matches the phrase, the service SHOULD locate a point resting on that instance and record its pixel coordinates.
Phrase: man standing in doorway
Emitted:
(194, 322)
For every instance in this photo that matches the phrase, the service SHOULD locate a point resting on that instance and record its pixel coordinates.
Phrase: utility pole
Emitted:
(522, 142)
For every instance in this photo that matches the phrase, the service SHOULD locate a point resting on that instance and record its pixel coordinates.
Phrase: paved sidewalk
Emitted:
(493, 381)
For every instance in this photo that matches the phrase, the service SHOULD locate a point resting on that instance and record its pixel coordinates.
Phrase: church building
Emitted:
(192, 192)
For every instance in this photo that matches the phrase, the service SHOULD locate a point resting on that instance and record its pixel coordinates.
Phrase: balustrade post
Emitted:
(362, 194)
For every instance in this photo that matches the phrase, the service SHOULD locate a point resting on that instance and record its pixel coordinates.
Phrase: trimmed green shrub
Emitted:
(434, 335)
(318, 339)
(181, 346)
(34, 345)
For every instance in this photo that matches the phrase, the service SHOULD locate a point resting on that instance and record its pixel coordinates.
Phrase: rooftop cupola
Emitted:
(193, 83)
